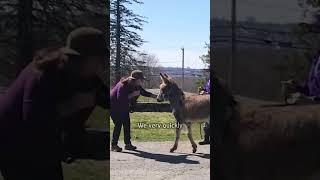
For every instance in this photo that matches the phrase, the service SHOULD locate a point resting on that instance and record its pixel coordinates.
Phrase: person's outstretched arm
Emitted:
(145, 93)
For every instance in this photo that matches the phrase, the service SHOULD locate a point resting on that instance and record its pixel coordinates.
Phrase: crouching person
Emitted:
(120, 97)
(30, 111)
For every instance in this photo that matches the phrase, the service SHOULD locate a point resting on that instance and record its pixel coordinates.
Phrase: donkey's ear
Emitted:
(167, 76)
(163, 78)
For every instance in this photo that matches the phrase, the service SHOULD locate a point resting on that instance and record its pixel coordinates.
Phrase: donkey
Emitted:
(186, 109)
(258, 142)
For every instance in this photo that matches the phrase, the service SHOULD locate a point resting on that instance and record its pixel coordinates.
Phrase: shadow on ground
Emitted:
(172, 159)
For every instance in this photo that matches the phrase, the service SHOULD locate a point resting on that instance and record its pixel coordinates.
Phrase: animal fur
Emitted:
(264, 143)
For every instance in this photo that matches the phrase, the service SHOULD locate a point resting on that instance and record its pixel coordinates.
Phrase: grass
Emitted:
(146, 99)
(90, 169)
(158, 132)
(86, 170)
(158, 120)
(99, 119)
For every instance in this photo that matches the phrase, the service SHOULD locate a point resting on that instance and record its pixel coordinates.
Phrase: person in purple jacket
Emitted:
(310, 88)
(312, 85)
(206, 127)
(57, 85)
(120, 97)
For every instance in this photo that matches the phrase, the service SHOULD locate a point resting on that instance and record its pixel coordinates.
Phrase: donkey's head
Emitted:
(224, 107)
(222, 95)
(168, 88)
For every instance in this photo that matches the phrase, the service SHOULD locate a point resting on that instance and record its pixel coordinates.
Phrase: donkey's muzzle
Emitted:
(159, 100)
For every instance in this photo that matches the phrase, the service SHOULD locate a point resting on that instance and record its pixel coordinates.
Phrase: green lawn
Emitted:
(86, 170)
(158, 120)
(99, 119)
(158, 132)
(146, 99)
(90, 169)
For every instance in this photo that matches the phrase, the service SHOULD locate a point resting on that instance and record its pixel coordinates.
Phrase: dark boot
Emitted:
(130, 147)
(116, 148)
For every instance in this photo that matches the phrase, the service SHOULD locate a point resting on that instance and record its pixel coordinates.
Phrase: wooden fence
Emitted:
(152, 107)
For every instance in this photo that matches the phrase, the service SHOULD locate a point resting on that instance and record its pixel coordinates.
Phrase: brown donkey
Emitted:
(266, 143)
(186, 109)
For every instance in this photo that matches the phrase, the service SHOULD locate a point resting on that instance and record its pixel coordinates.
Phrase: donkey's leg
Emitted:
(194, 145)
(178, 132)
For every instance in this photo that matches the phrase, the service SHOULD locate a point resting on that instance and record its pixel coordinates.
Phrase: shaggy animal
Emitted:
(265, 143)
(186, 109)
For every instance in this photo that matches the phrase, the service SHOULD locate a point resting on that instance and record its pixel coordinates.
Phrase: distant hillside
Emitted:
(254, 34)
(191, 77)
(177, 72)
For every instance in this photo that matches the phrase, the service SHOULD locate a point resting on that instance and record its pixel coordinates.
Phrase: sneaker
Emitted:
(130, 147)
(116, 148)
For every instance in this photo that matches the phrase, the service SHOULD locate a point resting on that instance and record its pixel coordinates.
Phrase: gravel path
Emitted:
(152, 160)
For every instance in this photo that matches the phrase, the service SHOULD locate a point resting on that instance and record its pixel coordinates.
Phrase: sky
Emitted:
(274, 11)
(173, 24)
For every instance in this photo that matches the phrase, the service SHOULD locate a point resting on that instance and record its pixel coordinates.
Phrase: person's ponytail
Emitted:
(48, 58)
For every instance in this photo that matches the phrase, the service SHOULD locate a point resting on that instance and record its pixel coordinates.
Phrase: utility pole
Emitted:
(182, 67)
(233, 44)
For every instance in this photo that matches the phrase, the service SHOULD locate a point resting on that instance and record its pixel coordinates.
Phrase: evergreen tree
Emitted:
(124, 38)
(28, 25)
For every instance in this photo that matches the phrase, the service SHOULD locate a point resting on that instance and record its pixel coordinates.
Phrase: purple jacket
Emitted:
(312, 85)
(119, 100)
(28, 109)
(27, 113)
(207, 87)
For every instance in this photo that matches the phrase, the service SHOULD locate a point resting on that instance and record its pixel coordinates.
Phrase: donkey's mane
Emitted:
(173, 82)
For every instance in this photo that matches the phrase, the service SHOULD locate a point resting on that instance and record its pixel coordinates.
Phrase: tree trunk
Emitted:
(107, 66)
(46, 11)
(25, 46)
(118, 35)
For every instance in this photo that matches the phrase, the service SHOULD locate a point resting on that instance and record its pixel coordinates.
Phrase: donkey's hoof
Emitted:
(194, 148)
(173, 149)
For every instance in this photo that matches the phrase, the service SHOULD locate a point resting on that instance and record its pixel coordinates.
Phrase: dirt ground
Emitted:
(152, 160)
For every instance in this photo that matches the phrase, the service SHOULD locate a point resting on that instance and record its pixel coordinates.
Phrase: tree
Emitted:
(28, 25)
(206, 57)
(125, 40)
(150, 68)
(206, 72)
(206, 60)
(151, 63)
(297, 63)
